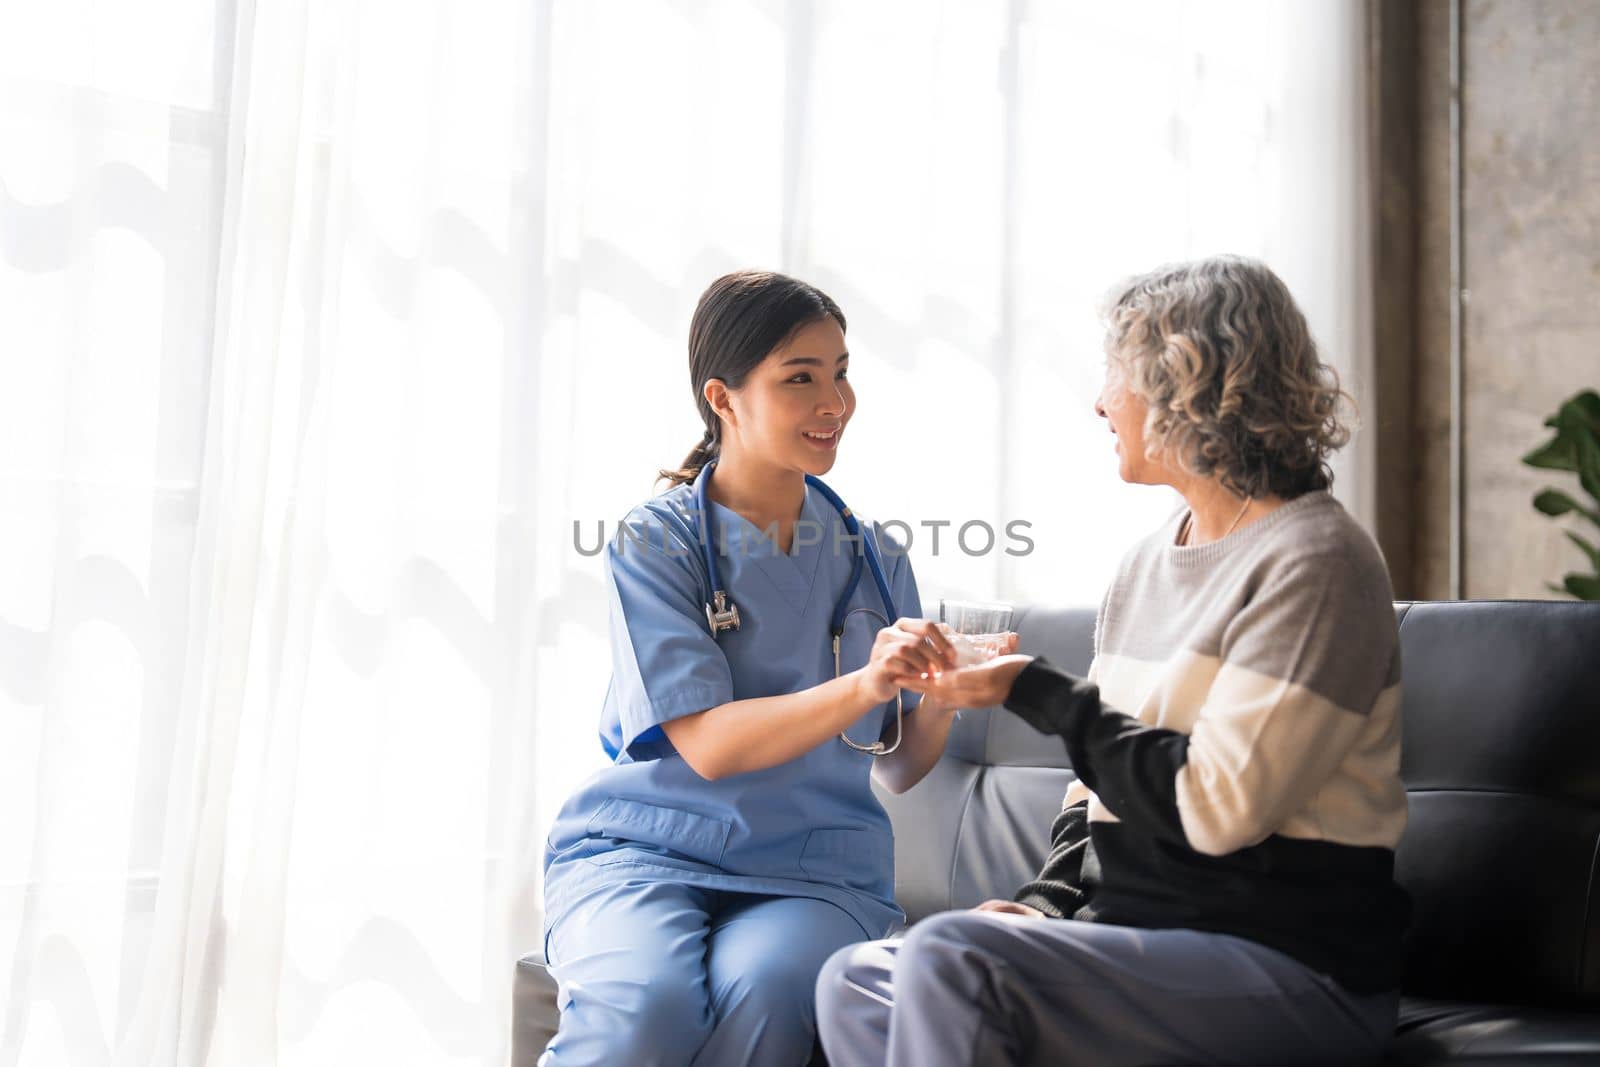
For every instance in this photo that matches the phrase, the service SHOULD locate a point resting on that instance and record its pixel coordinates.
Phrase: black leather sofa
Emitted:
(1501, 856)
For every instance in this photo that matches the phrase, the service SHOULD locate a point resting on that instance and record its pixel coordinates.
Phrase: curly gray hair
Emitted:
(1222, 355)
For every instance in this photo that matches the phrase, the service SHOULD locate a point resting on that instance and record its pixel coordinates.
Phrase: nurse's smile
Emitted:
(823, 440)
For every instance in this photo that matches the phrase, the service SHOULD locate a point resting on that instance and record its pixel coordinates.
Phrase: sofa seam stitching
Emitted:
(961, 833)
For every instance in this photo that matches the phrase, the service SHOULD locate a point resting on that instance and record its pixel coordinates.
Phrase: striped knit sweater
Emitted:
(1237, 744)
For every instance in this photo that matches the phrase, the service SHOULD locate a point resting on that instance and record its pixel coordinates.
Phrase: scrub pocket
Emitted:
(701, 838)
(857, 859)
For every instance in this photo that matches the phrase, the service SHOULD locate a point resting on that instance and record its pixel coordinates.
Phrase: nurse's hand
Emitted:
(907, 650)
(979, 686)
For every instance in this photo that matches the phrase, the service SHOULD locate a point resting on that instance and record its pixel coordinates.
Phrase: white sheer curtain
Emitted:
(323, 323)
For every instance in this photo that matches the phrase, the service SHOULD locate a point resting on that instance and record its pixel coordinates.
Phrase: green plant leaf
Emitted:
(1585, 406)
(1557, 454)
(1554, 502)
(1574, 447)
(1588, 448)
(1584, 586)
(1588, 550)
(1576, 420)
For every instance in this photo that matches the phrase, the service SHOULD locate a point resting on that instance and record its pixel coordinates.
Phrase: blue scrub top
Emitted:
(810, 827)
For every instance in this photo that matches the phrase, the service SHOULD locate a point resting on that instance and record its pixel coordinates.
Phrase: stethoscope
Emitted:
(723, 614)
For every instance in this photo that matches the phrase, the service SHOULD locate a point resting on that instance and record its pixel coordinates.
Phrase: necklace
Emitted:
(1188, 522)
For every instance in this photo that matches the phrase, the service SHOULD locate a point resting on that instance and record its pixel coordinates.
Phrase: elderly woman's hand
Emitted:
(1010, 907)
(978, 686)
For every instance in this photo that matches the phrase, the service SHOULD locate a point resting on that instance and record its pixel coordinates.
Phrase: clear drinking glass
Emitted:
(978, 630)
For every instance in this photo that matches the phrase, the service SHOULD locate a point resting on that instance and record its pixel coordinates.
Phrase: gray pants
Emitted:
(967, 987)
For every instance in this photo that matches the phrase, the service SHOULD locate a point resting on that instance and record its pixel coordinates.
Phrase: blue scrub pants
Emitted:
(666, 973)
(966, 987)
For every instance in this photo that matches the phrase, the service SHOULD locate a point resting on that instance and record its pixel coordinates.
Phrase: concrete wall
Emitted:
(1531, 209)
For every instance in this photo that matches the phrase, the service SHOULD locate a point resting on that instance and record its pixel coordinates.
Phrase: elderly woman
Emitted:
(1220, 883)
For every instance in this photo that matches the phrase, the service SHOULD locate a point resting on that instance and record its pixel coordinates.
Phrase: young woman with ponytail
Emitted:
(694, 887)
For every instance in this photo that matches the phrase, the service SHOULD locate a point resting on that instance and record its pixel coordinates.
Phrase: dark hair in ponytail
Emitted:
(740, 319)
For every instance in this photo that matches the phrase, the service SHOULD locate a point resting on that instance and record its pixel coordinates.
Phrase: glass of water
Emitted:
(977, 629)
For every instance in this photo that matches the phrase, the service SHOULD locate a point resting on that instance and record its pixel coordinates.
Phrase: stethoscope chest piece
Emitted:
(720, 614)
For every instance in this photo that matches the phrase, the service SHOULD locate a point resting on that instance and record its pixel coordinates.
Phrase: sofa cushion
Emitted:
(1501, 759)
(533, 1010)
(1490, 1035)
(1503, 888)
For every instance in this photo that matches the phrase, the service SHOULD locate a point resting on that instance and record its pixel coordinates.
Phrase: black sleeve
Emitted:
(1057, 890)
(1131, 767)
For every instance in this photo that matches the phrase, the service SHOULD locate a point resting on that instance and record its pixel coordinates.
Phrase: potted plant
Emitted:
(1575, 448)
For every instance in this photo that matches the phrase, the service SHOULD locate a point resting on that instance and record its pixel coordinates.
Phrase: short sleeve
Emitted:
(903, 584)
(665, 663)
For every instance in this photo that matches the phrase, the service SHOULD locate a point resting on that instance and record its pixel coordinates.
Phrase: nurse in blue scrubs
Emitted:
(694, 888)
